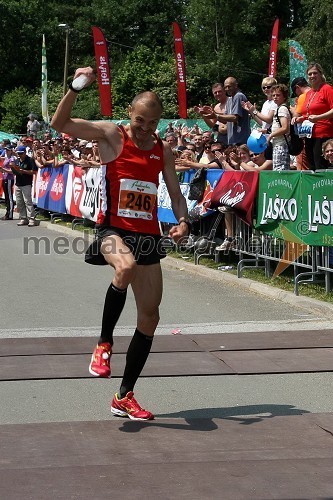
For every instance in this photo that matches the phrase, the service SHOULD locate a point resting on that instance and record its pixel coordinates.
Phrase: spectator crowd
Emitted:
(225, 145)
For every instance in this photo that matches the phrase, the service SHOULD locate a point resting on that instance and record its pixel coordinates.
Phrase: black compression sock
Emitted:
(114, 303)
(137, 354)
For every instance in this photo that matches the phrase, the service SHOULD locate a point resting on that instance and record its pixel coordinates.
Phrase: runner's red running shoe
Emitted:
(129, 407)
(100, 360)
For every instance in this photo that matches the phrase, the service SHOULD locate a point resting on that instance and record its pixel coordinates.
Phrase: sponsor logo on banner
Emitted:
(320, 205)
(43, 184)
(278, 208)
(74, 190)
(57, 188)
(90, 201)
(236, 190)
(234, 196)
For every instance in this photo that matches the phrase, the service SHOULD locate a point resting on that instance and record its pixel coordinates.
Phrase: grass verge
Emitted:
(285, 281)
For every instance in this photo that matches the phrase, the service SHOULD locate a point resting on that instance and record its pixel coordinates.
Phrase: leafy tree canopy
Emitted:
(221, 38)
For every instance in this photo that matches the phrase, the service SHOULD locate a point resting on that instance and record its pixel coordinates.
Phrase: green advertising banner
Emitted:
(317, 208)
(296, 206)
(279, 203)
(297, 60)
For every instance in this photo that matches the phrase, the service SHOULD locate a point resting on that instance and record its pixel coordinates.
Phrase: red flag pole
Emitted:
(274, 49)
(103, 71)
(181, 71)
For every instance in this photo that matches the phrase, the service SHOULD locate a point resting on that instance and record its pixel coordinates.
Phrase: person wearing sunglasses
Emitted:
(265, 116)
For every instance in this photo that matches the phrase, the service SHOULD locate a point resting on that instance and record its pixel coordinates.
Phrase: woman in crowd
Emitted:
(241, 158)
(265, 116)
(317, 109)
(8, 180)
(280, 128)
(185, 161)
(328, 152)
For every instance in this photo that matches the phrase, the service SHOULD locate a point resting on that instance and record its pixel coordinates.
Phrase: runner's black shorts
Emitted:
(147, 249)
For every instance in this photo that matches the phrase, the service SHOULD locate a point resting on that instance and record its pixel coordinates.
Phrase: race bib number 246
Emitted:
(136, 199)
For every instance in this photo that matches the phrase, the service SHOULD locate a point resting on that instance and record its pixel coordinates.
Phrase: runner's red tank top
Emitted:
(129, 188)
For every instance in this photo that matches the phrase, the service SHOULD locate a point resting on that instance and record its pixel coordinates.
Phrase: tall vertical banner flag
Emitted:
(274, 49)
(181, 71)
(103, 71)
(297, 60)
(45, 113)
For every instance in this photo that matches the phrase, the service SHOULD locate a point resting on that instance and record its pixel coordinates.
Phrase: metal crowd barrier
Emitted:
(256, 250)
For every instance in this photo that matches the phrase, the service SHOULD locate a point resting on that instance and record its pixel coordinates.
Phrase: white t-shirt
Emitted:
(282, 112)
(265, 110)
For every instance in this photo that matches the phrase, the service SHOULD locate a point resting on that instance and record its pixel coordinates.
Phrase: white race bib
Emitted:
(136, 199)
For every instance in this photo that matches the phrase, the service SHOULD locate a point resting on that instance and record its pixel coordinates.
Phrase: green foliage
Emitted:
(16, 106)
(145, 69)
(221, 38)
(316, 34)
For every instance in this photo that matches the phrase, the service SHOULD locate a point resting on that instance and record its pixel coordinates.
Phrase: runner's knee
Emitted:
(148, 321)
(125, 272)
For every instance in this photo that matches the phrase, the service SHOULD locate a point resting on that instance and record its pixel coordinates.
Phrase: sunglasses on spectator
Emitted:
(217, 150)
(265, 87)
(253, 155)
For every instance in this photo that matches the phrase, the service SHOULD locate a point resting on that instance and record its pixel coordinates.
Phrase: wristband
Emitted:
(70, 86)
(78, 83)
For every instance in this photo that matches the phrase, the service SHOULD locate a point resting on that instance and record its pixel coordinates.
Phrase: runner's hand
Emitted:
(178, 232)
(89, 72)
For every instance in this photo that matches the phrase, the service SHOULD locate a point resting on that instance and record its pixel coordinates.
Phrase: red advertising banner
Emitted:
(181, 71)
(74, 190)
(237, 190)
(274, 49)
(103, 71)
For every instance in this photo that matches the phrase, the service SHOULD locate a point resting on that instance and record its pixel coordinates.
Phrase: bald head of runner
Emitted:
(149, 100)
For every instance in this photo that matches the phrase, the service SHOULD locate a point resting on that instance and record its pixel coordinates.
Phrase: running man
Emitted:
(128, 235)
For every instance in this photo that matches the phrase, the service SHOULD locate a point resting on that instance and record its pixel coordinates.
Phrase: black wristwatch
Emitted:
(187, 222)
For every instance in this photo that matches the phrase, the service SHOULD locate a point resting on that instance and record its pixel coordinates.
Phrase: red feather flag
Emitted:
(103, 71)
(274, 49)
(181, 71)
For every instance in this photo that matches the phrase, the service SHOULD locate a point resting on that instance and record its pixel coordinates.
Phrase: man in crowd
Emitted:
(236, 118)
(24, 170)
(220, 108)
(33, 126)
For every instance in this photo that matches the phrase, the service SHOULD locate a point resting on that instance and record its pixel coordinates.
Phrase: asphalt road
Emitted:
(48, 294)
(46, 285)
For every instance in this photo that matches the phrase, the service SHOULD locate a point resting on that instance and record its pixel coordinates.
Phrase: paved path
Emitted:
(248, 436)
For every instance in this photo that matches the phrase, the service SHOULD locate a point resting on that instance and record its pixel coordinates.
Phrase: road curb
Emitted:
(313, 305)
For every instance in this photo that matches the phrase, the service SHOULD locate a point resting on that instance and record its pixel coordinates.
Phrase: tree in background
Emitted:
(316, 37)
(221, 39)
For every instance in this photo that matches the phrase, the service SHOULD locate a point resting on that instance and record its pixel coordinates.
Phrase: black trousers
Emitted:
(314, 153)
(8, 185)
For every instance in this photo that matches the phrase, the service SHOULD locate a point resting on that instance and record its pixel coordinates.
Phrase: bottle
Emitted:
(225, 268)
(80, 82)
